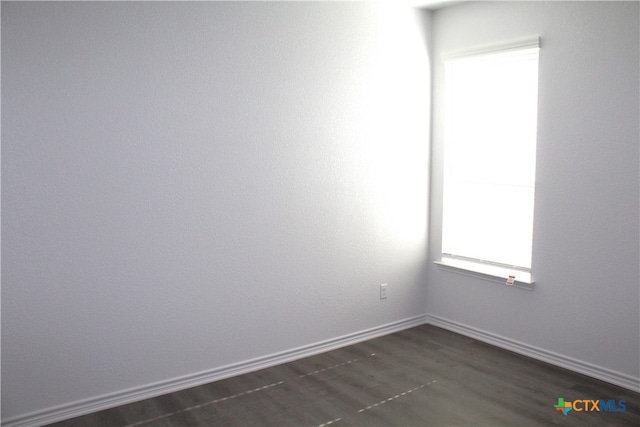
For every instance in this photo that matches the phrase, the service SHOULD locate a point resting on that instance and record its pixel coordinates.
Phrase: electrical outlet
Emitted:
(383, 291)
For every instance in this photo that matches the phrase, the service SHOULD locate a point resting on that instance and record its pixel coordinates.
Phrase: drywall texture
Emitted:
(188, 185)
(585, 305)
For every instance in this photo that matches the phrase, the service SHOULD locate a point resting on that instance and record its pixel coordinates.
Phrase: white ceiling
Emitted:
(427, 4)
(430, 4)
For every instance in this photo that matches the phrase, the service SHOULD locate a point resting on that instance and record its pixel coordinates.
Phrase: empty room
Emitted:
(314, 213)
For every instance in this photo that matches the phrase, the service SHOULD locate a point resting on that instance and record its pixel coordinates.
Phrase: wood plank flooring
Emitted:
(424, 376)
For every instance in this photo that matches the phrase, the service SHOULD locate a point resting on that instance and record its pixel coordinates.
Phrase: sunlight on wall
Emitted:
(399, 138)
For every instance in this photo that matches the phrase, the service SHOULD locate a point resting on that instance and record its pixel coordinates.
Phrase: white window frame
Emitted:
(520, 276)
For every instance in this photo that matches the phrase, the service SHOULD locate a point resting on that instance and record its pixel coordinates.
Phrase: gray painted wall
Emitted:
(585, 305)
(191, 185)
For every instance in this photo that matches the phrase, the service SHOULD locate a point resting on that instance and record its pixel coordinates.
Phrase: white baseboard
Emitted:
(87, 406)
(579, 366)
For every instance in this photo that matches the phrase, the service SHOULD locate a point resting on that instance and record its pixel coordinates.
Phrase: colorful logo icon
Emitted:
(590, 405)
(563, 406)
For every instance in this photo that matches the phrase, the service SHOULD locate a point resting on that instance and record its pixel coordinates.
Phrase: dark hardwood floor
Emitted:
(424, 376)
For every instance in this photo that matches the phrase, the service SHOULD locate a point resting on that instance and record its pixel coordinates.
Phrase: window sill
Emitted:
(489, 273)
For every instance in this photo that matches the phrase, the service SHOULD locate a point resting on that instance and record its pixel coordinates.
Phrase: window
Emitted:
(490, 157)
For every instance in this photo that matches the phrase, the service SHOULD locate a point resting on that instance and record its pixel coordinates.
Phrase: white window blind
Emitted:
(490, 159)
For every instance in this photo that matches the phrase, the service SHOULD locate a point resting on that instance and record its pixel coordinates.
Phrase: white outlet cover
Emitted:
(383, 291)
